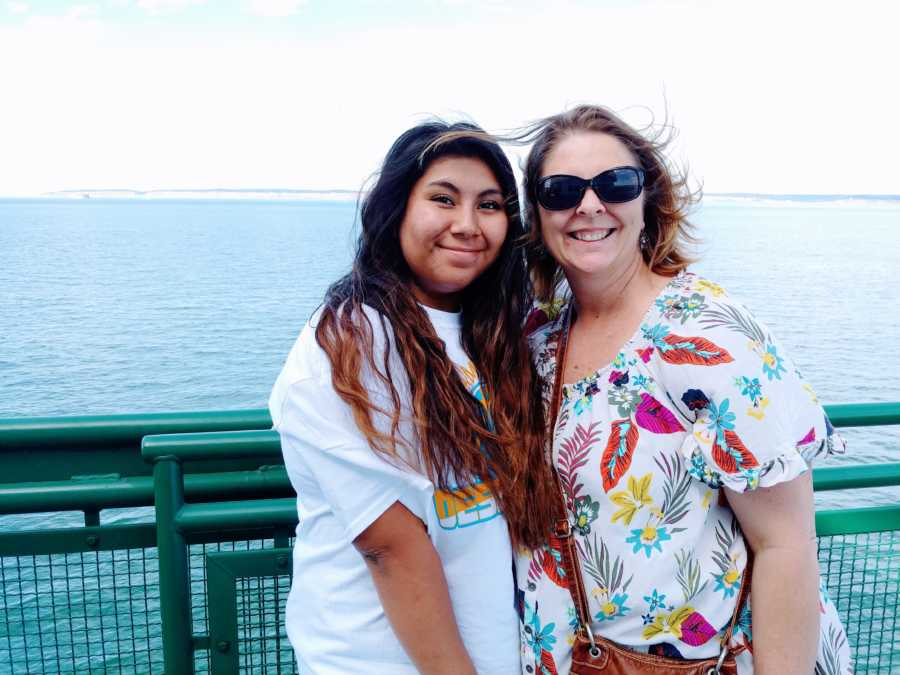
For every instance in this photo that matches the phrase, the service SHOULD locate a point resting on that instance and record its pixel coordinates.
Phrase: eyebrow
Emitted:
(447, 185)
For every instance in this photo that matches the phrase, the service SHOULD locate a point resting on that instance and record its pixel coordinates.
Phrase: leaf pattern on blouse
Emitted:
(616, 458)
(573, 456)
(652, 416)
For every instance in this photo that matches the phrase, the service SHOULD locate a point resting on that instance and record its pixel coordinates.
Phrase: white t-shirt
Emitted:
(335, 620)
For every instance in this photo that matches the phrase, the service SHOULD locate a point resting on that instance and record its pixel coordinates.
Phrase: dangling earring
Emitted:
(644, 241)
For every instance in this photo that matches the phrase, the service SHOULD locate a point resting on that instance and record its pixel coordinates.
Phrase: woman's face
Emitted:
(454, 227)
(593, 238)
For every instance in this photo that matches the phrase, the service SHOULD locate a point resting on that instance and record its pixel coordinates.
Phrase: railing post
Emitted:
(174, 584)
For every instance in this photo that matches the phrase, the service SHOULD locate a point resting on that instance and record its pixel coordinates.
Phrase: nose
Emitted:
(465, 224)
(590, 204)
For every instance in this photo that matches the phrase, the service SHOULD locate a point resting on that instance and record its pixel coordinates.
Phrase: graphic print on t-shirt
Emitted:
(473, 504)
(464, 507)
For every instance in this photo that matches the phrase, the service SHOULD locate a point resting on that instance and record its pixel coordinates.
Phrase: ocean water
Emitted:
(127, 305)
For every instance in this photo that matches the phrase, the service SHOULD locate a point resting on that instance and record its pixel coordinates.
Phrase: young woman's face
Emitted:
(454, 227)
(593, 237)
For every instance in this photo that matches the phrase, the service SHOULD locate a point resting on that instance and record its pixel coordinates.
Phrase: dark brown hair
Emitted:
(456, 442)
(667, 196)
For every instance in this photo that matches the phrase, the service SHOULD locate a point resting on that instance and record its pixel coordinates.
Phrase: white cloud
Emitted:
(275, 8)
(794, 105)
(44, 36)
(84, 11)
(167, 6)
(17, 7)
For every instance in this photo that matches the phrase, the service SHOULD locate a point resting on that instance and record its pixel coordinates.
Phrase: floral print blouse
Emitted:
(699, 398)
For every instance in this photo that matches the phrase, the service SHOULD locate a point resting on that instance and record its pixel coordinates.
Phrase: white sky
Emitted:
(769, 96)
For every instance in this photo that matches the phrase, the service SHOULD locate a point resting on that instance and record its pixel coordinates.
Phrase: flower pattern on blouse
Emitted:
(701, 397)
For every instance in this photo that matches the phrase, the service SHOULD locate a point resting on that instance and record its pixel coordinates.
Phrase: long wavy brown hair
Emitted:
(667, 196)
(456, 443)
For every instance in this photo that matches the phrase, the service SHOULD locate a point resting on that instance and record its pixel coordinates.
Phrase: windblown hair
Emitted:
(667, 195)
(457, 444)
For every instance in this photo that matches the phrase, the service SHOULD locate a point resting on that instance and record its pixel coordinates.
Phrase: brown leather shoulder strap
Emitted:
(562, 527)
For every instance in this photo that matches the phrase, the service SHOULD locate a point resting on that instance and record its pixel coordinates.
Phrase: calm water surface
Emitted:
(137, 305)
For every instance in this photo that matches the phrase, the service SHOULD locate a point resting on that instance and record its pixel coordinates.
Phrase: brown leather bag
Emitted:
(593, 654)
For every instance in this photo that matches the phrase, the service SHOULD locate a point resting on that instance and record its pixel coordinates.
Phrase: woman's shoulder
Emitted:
(308, 366)
(307, 358)
(364, 316)
(695, 324)
(692, 306)
(757, 422)
(690, 296)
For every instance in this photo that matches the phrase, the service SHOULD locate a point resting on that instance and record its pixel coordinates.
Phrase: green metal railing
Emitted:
(176, 521)
(80, 595)
(201, 586)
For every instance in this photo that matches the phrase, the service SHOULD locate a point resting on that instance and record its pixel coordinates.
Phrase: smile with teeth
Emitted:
(591, 235)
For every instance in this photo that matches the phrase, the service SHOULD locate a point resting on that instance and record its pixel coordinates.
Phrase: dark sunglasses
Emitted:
(560, 192)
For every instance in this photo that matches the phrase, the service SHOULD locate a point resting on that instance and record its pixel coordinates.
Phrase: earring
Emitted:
(644, 241)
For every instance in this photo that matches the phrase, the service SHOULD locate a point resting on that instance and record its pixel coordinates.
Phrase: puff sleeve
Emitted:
(753, 420)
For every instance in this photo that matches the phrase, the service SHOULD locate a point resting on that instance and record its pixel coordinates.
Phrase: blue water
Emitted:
(151, 305)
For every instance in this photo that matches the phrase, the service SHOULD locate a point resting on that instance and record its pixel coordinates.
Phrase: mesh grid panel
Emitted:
(94, 611)
(263, 644)
(197, 561)
(98, 611)
(862, 575)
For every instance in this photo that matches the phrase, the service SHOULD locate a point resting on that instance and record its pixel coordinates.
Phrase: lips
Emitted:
(461, 250)
(591, 235)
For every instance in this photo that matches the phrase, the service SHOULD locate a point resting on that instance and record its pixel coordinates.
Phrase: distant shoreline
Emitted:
(757, 196)
(342, 195)
(208, 193)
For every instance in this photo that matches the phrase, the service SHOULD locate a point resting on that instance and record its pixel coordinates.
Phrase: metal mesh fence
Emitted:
(98, 611)
(263, 645)
(95, 611)
(197, 561)
(862, 575)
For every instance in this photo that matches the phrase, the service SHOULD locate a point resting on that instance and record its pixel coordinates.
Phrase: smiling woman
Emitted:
(454, 226)
(681, 435)
(411, 426)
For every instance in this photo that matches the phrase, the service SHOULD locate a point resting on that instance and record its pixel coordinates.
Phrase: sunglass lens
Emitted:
(560, 192)
(619, 185)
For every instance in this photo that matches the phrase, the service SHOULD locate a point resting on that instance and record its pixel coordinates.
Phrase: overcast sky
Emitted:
(780, 96)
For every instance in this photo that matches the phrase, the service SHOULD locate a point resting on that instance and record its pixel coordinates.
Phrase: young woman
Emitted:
(683, 435)
(411, 425)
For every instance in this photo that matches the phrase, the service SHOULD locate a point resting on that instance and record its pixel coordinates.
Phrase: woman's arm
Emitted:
(779, 525)
(410, 581)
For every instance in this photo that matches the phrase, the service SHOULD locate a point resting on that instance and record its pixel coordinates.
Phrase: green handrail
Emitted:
(19, 432)
(112, 492)
(863, 414)
(58, 449)
(856, 476)
(256, 514)
(216, 445)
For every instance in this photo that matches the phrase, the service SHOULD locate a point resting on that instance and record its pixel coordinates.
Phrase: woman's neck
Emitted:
(606, 296)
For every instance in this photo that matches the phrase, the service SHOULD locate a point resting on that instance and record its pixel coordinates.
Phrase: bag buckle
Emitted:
(562, 529)
(593, 647)
(717, 669)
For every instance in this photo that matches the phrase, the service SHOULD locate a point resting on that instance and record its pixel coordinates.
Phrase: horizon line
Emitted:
(345, 191)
